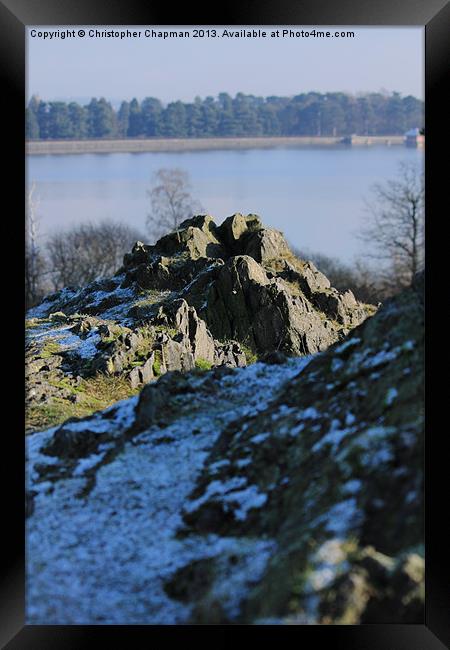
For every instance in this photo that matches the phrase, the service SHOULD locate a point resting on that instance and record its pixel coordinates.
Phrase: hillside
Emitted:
(267, 468)
(202, 297)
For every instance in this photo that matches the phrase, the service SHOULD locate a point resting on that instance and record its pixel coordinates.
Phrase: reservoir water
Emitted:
(316, 195)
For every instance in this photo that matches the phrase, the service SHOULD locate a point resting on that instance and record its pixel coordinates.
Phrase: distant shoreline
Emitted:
(50, 147)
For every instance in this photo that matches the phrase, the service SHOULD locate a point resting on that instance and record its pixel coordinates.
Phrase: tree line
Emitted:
(307, 114)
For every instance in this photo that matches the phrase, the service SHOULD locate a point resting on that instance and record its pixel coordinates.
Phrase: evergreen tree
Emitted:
(195, 124)
(91, 116)
(269, 120)
(31, 125)
(333, 114)
(151, 110)
(59, 125)
(101, 119)
(123, 119)
(245, 116)
(43, 120)
(78, 121)
(366, 116)
(106, 120)
(413, 112)
(227, 124)
(134, 119)
(210, 117)
(174, 120)
(353, 120)
(32, 131)
(395, 114)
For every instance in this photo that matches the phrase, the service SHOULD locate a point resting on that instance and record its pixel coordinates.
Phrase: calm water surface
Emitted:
(314, 195)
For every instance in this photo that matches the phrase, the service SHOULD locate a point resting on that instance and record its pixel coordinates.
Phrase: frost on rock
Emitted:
(333, 438)
(231, 497)
(391, 395)
(86, 554)
(285, 492)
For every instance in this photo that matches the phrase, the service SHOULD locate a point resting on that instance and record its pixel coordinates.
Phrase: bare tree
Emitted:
(171, 202)
(88, 252)
(365, 282)
(34, 260)
(394, 229)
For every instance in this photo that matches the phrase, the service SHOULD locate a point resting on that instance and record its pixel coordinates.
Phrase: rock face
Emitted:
(245, 283)
(289, 491)
(243, 303)
(203, 296)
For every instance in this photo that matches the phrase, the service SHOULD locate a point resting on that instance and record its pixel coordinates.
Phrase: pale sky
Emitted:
(376, 59)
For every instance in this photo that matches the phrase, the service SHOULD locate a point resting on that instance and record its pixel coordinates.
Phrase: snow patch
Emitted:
(348, 344)
(333, 438)
(391, 396)
(104, 558)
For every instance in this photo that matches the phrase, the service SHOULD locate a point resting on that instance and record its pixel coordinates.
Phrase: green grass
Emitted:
(149, 297)
(108, 339)
(49, 349)
(157, 363)
(250, 356)
(30, 323)
(171, 331)
(93, 394)
(203, 364)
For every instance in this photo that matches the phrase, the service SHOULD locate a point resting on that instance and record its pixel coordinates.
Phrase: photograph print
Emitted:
(224, 325)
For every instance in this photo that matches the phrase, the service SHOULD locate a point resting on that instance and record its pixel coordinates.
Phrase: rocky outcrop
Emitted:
(244, 304)
(286, 492)
(202, 296)
(62, 353)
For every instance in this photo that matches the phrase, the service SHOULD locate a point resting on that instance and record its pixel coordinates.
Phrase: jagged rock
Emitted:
(184, 319)
(232, 229)
(177, 355)
(196, 237)
(139, 254)
(110, 331)
(349, 300)
(131, 341)
(311, 279)
(377, 587)
(201, 341)
(175, 314)
(244, 304)
(116, 363)
(143, 374)
(158, 401)
(230, 354)
(203, 222)
(83, 325)
(265, 245)
(70, 443)
(37, 365)
(154, 275)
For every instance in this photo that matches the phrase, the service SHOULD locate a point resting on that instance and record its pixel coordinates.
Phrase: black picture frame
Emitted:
(15, 15)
